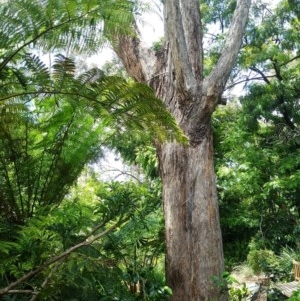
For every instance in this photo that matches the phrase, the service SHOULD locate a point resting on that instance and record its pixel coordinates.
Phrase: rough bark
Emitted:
(193, 234)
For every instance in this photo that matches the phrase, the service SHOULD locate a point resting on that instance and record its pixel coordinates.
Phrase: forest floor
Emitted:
(244, 275)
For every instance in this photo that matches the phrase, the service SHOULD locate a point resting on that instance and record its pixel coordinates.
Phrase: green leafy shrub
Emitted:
(261, 260)
(228, 283)
(277, 267)
(238, 293)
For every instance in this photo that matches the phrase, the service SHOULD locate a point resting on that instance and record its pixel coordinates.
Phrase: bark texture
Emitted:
(193, 234)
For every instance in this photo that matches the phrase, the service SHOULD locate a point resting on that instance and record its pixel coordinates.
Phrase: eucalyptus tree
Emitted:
(176, 73)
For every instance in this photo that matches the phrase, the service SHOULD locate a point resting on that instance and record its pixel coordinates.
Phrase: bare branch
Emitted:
(289, 61)
(247, 80)
(177, 40)
(30, 292)
(220, 74)
(264, 77)
(193, 35)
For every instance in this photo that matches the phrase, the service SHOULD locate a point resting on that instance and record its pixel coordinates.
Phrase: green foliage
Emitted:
(75, 27)
(139, 245)
(223, 281)
(126, 263)
(238, 294)
(52, 25)
(217, 12)
(260, 260)
(53, 121)
(236, 184)
(215, 17)
(256, 172)
(228, 283)
(52, 118)
(275, 295)
(277, 267)
(157, 46)
(147, 159)
(295, 296)
(42, 153)
(114, 68)
(282, 269)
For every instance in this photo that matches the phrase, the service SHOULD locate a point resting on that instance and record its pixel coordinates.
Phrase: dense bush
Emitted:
(261, 260)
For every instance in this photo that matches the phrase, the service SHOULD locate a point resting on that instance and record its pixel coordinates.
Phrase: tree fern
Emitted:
(52, 118)
(71, 26)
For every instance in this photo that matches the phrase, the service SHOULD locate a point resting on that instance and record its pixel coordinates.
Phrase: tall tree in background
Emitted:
(175, 72)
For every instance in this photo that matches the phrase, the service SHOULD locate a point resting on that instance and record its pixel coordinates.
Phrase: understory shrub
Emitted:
(261, 260)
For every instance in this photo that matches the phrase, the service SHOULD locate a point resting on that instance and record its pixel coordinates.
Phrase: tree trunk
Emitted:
(193, 234)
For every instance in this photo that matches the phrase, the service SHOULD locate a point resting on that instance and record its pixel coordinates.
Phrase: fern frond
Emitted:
(36, 68)
(52, 25)
(63, 69)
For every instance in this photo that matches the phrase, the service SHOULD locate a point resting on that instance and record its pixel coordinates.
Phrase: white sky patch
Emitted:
(112, 168)
(152, 27)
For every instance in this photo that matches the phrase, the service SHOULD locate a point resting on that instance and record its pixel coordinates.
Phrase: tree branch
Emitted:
(138, 60)
(45, 282)
(220, 74)
(176, 38)
(264, 77)
(289, 61)
(30, 292)
(46, 92)
(193, 35)
(89, 240)
(246, 80)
